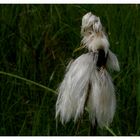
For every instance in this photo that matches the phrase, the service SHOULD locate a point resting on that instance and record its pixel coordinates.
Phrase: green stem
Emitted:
(110, 130)
(28, 81)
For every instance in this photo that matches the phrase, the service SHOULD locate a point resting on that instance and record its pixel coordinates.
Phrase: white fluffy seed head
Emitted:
(74, 87)
(90, 23)
(74, 92)
(93, 36)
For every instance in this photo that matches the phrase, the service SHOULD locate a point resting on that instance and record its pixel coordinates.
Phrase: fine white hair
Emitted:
(74, 87)
(90, 23)
(102, 100)
(112, 61)
(84, 84)
(93, 36)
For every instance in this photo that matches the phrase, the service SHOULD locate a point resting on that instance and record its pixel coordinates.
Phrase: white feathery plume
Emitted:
(102, 101)
(74, 87)
(112, 61)
(87, 82)
(93, 36)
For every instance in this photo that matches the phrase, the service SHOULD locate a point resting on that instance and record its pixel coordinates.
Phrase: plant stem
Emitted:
(27, 80)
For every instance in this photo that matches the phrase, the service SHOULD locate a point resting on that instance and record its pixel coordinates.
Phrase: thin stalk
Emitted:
(93, 129)
(110, 130)
(27, 81)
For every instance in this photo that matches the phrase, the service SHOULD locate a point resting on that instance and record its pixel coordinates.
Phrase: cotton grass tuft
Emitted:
(87, 81)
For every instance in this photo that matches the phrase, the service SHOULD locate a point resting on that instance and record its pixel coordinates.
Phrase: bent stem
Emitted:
(27, 81)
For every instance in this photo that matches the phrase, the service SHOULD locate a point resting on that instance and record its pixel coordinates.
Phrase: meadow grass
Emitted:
(36, 44)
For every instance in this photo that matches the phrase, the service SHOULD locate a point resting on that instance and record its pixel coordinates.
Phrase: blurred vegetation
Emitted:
(36, 44)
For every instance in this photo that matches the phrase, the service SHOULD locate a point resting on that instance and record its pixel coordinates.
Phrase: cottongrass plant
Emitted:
(87, 82)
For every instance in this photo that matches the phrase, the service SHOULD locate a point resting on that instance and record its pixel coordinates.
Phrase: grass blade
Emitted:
(27, 81)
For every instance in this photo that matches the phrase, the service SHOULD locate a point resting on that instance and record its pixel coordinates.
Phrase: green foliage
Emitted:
(36, 44)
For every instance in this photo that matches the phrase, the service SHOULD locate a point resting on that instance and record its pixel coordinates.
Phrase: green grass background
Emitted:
(36, 44)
